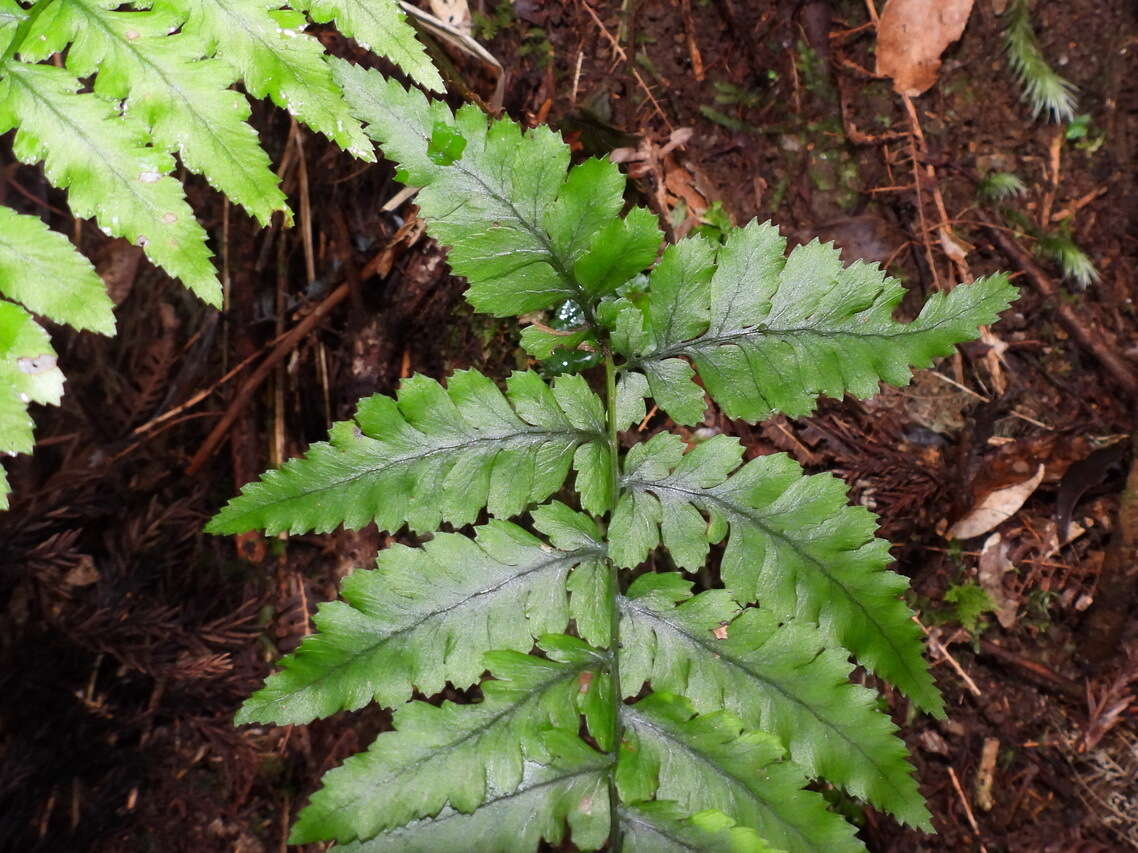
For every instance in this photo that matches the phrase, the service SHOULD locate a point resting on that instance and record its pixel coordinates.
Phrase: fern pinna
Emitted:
(134, 87)
(612, 705)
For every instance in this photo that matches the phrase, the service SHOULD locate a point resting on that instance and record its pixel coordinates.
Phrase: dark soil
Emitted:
(128, 638)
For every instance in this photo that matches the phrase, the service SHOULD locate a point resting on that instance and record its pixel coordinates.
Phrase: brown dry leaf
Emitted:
(117, 262)
(994, 564)
(996, 507)
(679, 182)
(911, 36)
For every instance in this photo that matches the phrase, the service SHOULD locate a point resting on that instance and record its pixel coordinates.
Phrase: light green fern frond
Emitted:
(459, 755)
(778, 677)
(41, 269)
(769, 333)
(1043, 87)
(423, 617)
(664, 827)
(109, 171)
(142, 85)
(436, 454)
(1000, 186)
(792, 542)
(712, 761)
(1076, 264)
(525, 232)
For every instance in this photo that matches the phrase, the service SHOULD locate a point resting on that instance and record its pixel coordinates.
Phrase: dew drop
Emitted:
(169, 218)
(149, 177)
(37, 364)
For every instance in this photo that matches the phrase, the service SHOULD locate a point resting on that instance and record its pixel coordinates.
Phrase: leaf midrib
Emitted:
(739, 337)
(537, 436)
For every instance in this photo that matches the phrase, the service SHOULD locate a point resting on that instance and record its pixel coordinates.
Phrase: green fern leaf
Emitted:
(423, 617)
(183, 100)
(379, 26)
(793, 543)
(41, 269)
(458, 755)
(516, 224)
(664, 827)
(109, 173)
(275, 59)
(571, 789)
(28, 374)
(713, 762)
(770, 333)
(473, 446)
(776, 677)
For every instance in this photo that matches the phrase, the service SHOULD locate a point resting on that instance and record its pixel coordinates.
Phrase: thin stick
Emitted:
(941, 649)
(624, 57)
(287, 343)
(964, 802)
(1092, 341)
(914, 137)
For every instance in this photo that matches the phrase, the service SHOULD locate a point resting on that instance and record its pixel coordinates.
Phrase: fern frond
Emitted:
(41, 269)
(424, 616)
(768, 703)
(182, 99)
(275, 59)
(1076, 264)
(781, 678)
(28, 374)
(435, 454)
(516, 223)
(1043, 87)
(770, 333)
(793, 543)
(458, 755)
(570, 790)
(712, 761)
(664, 827)
(1000, 186)
(379, 26)
(109, 172)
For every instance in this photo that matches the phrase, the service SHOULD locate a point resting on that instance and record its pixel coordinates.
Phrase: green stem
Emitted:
(614, 609)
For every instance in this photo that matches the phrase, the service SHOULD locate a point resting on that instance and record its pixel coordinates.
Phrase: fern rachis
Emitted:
(705, 713)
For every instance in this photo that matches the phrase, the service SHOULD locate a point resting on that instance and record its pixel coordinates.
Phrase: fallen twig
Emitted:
(286, 345)
(1091, 341)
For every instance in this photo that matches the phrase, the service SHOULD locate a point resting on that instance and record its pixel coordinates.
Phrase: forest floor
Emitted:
(128, 638)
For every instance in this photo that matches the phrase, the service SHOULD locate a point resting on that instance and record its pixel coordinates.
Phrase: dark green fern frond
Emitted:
(617, 707)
